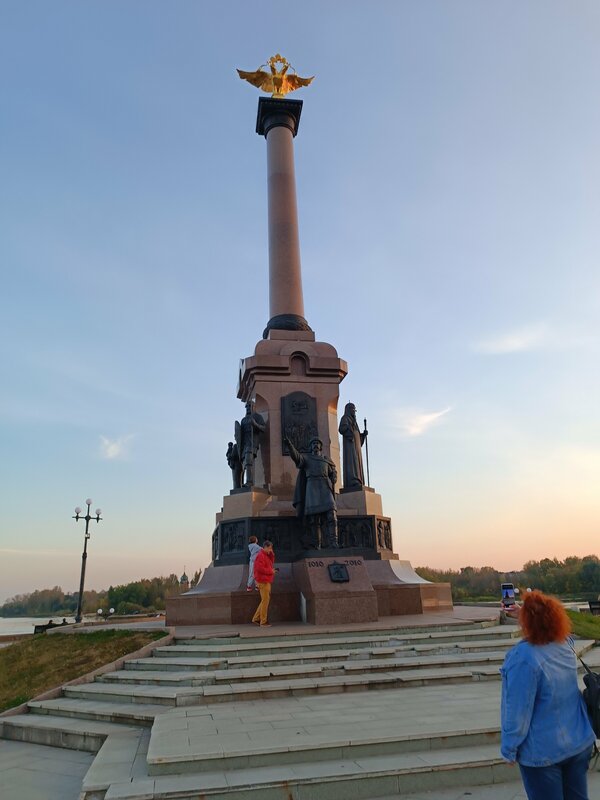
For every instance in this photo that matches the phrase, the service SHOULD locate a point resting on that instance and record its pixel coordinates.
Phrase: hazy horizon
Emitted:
(191, 572)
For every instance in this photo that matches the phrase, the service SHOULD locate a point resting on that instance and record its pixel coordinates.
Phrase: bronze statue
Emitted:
(278, 81)
(353, 440)
(314, 497)
(235, 465)
(381, 534)
(247, 438)
(384, 535)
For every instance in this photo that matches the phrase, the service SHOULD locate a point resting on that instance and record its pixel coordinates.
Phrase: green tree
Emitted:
(589, 574)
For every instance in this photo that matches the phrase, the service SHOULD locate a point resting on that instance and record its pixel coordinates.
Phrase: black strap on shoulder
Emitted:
(595, 752)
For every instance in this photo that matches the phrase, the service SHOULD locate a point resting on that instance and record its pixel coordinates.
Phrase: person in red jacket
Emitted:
(264, 572)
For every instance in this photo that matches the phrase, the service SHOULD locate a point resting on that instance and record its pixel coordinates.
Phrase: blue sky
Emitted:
(448, 187)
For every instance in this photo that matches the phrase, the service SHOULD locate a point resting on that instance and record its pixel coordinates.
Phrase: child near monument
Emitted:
(264, 572)
(254, 549)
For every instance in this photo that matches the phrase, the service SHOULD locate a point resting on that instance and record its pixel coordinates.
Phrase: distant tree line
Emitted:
(573, 577)
(146, 595)
(51, 602)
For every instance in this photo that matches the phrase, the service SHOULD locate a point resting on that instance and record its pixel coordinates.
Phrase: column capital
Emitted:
(273, 112)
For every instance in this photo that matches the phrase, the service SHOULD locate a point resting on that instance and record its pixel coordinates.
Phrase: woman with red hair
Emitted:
(545, 726)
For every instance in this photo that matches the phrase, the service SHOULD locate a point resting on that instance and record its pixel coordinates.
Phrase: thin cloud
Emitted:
(411, 422)
(114, 449)
(532, 337)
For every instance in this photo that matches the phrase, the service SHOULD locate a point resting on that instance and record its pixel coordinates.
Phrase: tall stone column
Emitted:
(293, 382)
(278, 121)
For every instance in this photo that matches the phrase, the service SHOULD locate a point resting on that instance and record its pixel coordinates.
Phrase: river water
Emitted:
(12, 625)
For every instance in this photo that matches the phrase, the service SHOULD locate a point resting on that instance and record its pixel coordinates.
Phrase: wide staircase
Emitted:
(367, 714)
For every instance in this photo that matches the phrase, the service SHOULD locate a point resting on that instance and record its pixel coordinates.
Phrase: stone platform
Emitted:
(303, 590)
(293, 712)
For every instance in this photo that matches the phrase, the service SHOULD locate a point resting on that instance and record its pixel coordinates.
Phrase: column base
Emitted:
(286, 322)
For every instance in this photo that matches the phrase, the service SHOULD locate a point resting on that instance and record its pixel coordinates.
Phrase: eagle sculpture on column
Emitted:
(279, 81)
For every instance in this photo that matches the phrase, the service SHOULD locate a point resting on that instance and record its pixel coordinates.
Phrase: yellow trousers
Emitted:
(263, 606)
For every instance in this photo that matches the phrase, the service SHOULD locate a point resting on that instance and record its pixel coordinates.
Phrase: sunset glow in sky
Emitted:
(449, 196)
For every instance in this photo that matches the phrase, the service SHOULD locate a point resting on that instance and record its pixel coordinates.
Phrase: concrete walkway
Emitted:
(504, 791)
(35, 772)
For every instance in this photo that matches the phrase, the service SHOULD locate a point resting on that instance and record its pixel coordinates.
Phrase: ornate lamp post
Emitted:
(87, 519)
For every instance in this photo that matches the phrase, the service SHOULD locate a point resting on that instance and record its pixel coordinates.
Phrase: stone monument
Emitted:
(286, 458)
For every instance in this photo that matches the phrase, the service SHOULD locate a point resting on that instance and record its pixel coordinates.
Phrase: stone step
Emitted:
(146, 677)
(203, 678)
(507, 790)
(363, 652)
(121, 759)
(170, 696)
(281, 645)
(192, 663)
(57, 731)
(583, 646)
(299, 687)
(115, 692)
(176, 749)
(124, 713)
(139, 705)
(198, 662)
(109, 694)
(175, 664)
(304, 634)
(474, 646)
(359, 666)
(261, 729)
(362, 779)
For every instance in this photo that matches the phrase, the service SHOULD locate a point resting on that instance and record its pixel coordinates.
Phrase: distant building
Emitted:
(184, 582)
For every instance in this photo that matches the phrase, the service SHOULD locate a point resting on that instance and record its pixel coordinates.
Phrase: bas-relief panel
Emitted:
(298, 421)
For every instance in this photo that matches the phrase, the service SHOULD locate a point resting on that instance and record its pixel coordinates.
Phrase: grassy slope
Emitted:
(585, 625)
(36, 665)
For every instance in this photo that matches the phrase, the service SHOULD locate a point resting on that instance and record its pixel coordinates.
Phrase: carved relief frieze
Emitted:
(298, 421)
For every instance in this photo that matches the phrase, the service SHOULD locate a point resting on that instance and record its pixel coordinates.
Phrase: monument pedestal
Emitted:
(303, 591)
(401, 591)
(221, 598)
(294, 383)
(325, 602)
(360, 502)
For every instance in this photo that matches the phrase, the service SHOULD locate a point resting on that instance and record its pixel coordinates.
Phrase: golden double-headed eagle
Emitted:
(279, 81)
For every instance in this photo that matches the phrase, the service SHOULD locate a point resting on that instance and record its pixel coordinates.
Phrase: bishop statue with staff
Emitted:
(353, 439)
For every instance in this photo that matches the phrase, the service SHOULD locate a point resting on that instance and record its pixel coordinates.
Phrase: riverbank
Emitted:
(14, 626)
(10, 626)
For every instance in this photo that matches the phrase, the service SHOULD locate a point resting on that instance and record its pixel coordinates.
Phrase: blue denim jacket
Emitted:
(544, 718)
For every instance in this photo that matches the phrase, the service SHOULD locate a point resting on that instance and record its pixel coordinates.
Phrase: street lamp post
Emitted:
(87, 519)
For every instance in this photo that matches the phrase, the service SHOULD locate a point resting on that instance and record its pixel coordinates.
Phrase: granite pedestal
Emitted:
(303, 590)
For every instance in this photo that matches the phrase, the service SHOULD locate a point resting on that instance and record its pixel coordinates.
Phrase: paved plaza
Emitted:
(36, 772)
